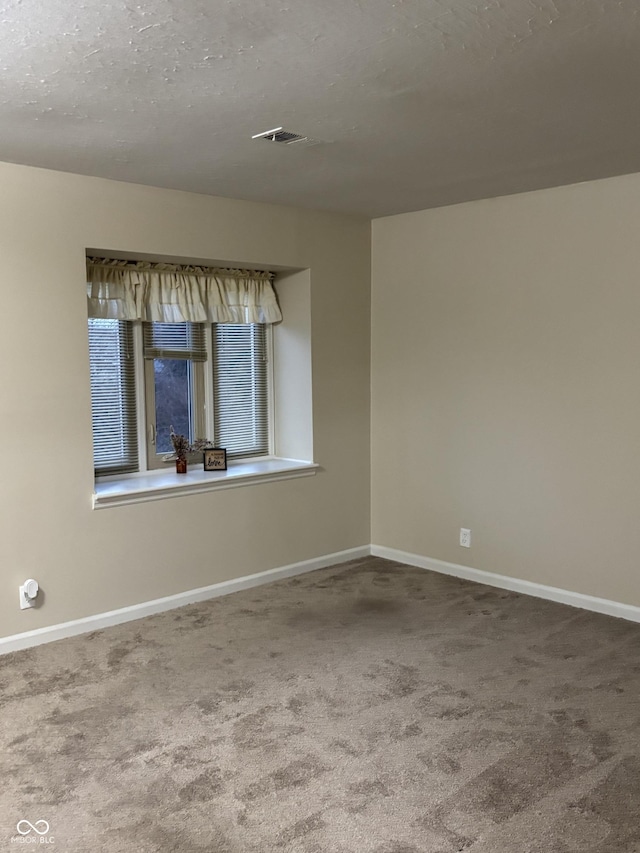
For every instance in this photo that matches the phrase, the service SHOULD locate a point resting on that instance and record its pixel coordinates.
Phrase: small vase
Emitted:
(181, 465)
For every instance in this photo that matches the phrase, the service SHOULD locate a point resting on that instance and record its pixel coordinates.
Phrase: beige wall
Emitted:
(506, 385)
(505, 397)
(92, 561)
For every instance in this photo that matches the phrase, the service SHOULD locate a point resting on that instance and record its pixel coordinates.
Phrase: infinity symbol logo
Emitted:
(34, 827)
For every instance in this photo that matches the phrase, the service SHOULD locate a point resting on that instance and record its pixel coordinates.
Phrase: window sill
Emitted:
(157, 485)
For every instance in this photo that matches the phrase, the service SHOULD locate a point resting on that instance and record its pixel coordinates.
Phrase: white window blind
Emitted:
(241, 393)
(175, 340)
(113, 397)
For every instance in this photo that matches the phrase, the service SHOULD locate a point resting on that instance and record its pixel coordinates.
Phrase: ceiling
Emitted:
(416, 103)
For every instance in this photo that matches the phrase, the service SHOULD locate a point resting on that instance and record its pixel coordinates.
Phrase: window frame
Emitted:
(199, 401)
(150, 462)
(269, 396)
(129, 463)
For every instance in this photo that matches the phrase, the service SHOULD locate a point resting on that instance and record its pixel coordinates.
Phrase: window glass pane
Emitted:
(175, 340)
(113, 404)
(241, 389)
(174, 403)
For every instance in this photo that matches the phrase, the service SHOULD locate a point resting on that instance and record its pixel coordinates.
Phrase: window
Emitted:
(205, 380)
(113, 397)
(240, 382)
(174, 359)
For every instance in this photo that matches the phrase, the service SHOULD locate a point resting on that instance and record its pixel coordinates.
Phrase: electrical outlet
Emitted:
(465, 537)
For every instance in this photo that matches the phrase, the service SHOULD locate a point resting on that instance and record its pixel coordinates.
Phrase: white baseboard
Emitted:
(538, 590)
(148, 608)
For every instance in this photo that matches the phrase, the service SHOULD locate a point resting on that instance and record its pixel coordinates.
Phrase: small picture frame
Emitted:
(215, 459)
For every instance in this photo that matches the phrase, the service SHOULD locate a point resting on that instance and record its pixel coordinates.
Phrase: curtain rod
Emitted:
(160, 266)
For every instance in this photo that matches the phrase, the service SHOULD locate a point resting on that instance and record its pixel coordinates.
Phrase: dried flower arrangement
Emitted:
(182, 445)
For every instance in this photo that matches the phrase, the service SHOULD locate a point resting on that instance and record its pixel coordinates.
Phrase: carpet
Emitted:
(366, 708)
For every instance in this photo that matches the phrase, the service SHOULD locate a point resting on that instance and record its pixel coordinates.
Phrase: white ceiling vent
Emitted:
(284, 137)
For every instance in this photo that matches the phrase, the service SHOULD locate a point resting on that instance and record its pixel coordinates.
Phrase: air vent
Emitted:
(284, 137)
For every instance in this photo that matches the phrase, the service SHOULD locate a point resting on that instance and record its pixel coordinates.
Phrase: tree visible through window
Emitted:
(173, 403)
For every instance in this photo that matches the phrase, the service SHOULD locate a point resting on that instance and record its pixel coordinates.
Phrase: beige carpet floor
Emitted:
(366, 708)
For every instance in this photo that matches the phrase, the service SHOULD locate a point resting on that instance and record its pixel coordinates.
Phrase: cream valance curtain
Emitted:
(172, 293)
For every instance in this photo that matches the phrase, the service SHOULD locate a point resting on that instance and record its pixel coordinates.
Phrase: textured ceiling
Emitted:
(419, 103)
